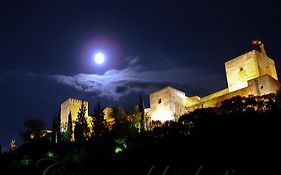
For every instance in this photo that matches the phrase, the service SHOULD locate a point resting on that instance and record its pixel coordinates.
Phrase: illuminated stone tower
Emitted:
(252, 73)
(166, 103)
(72, 106)
(248, 66)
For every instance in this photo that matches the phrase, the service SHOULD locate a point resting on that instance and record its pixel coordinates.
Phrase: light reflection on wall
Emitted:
(162, 114)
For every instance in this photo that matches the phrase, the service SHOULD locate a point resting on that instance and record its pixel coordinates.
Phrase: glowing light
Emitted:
(118, 150)
(99, 58)
(162, 114)
(25, 161)
(237, 86)
(121, 145)
(51, 154)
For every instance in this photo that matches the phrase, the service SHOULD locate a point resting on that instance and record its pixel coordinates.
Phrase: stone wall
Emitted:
(166, 103)
(241, 69)
(262, 85)
(246, 67)
(73, 106)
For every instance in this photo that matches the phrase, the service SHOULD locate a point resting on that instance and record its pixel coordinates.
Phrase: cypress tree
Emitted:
(54, 130)
(81, 127)
(98, 120)
(67, 136)
(141, 110)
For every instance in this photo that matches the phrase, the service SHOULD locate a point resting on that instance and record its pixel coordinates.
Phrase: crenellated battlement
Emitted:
(72, 106)
(252, 73)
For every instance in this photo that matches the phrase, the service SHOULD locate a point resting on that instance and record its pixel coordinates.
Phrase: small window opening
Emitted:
(159, 101)
(261, 86)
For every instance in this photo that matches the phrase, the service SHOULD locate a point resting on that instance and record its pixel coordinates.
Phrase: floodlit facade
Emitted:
(246, 67)
(166, 104)
(252, 73)
(72, 106)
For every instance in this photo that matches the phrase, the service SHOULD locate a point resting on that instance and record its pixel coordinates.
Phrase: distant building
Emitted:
(166, 103)
(72, 106)
(252, 73)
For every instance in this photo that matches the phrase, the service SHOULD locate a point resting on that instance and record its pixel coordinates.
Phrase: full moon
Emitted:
(99, 58)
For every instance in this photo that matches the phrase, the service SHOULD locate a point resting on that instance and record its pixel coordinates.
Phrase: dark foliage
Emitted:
(98, 122)
(243, 140)
(81, 131)
(32, 130)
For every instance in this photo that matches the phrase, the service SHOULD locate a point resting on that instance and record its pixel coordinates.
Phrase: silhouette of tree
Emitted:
(277, 103)
(98, 122)
(235, 104)
(13, 145)
(55, 126)
(67, 135)
(56, 129)
(119, 115)
(81, 127)
(32, 130)
(135, 117)
(141, 109)
(122, 125)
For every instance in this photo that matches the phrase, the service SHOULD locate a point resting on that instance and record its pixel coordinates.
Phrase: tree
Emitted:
(32, 130)
(122, 125)
(98, 122)
(54, 130)
(13, 145)
(119, 115)
(109, 119)
(141, 109)
(235, 104)
(67, 135)
(135, 115)
(81, 127)
(134, 118)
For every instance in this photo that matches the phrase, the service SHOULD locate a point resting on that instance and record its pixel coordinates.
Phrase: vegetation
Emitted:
(241, 136)
(81, 130)
(32, 130)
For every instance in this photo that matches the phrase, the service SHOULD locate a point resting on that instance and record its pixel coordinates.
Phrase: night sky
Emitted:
(46, 51)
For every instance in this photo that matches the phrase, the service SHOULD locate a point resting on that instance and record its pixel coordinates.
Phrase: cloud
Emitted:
(133, 79)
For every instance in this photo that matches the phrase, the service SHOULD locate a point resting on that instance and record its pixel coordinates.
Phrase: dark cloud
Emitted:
(134, 78)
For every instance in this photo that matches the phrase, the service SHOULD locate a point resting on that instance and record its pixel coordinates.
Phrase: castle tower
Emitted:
(166, 103)
(72, 106)
(248, 66)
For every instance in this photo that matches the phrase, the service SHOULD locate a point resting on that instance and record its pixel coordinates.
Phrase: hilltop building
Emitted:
(72, 106)
(252, 73)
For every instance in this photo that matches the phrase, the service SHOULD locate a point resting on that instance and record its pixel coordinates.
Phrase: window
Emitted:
(261, 86)
(241, 68)
(159, 101)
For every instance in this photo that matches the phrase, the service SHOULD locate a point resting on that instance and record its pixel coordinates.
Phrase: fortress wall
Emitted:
(73, 106)
(192, 100)
(216, 102)
(265, 84)
(165, 103)
(177, 101)
(159, 102)
(262, 85)
(241, 69)
(162, 95)
(266, 65)
(214, 95)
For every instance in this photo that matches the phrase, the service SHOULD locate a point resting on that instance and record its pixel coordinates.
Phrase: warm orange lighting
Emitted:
(238, 85)
(162, 114)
